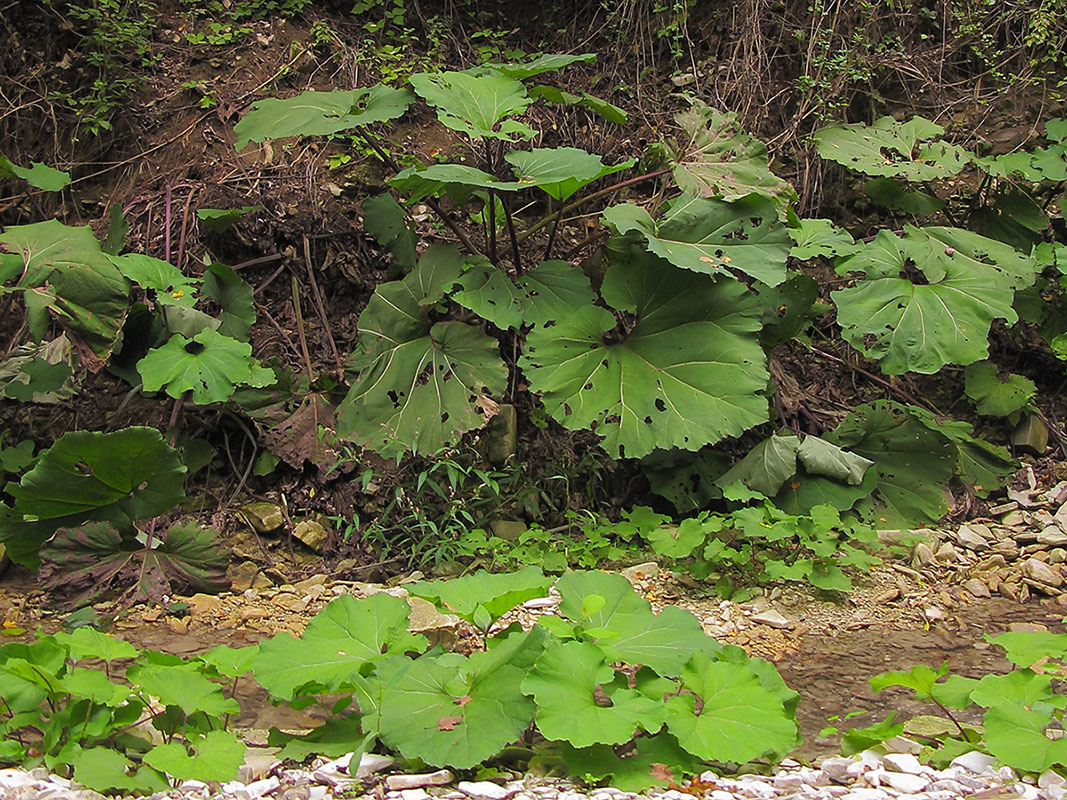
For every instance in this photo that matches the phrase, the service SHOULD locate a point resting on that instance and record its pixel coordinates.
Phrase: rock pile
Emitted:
(868, 776)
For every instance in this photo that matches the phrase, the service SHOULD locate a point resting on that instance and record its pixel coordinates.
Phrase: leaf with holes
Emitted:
(565, 682)
(82, 564)
(737, 718)
(689, 373)
(766, 466)
(658, 761)
(343, 638)
(417, 383)
(211, 366)
(320, 113)
(892, 149)
(979, 464)
(560, 171)
(234, 296)
(476, 105)
(995, 395)
(920, 323)
(719, 159)
(711, 236)
(169, 285)
(62, 271)
(551, 290)
(914, 463)
(387, 222)
(819, 237)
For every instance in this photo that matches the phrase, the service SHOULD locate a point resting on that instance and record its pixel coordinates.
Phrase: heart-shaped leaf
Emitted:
(496, 594)
(893, 149)
(170, 286)
(476, 105)
(215, 757)
(995, 395)
(211, 366)
(550, 291)
(560, 171)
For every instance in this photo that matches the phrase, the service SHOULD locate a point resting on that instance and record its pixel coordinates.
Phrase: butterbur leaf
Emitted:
(1021, 687)
(921, 679)
(68, 276)
(1024, 648)
(712, 236)
(649, 391)
(913, 462)
(455, 710)
(335, 738)
(387, 222)
(995, 395)
(893, 194)
(659, 761)
(678, 541)
(94, 685)
(320, 113)
(231, 662)
(170, 286)
(496, 594)
(1016, 735)
(220, 220)
(890, 148)
(766, 466)
(37, 175)
(820, 457)
(921, 324)
(738, 719)
(90, 643)
(476, 105)
(417, 384)
(548, 62)
(564, 684)
(979, 464)
(341, 639)
(211, 366)
(787, 308)
(119, 476)
(85, 562)
(415, 183)
(551, 290)
(556, 96)
(685, 479)
(182, 687)
(663, 641)
(819, 237)
(233, 294)
(560, 171)
(858, 739)
(103, 769)
(719, 159)
(215, 757)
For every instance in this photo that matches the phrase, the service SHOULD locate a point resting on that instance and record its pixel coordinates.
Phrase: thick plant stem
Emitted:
(430, 201)
(511, 234)
(552, 233)
(582, 201)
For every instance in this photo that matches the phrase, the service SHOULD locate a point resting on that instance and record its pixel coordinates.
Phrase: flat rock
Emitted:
(1042, 573)
(971, 537)
(976, 588)
(264, 517)
(1052, 536)
(974, 762)
(440, 778)
(773, 618)
(311, 533)
(903, 762)
(483, 789)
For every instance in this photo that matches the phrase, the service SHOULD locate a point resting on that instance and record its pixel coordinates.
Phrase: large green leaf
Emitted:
(556, 96)
(1022, 687)
(981, 465)
(550, 291)
(627, 629)
(657, 762)
(1026, 648)
(819, 237)
(170, 286)
(320, 113)
(689, 372)
(119, 476)
(494, 594)
(215, 757)
(91, 643)
(476, 105)
(338, 642)
(83, 563)
(712, 236)
(560, 171)
(211, 366)
(1016, 735)
(718, 159)
(914, 463)
(892, 149)
(183, 687)
(995, 395)
(415, 183)
(417, 383)
(920, 324)
(564, 683)
(548, 62)
(455, 711)
(766, 466)
(65, 272)
(37, 175)
(737, 719)
(234, 296)
(386, 220)
(104, 769)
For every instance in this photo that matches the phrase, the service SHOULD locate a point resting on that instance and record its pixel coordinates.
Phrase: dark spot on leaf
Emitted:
(660, 405)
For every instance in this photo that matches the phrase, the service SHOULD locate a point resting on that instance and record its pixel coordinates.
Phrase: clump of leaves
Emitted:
(166, 720)
(1021, 710)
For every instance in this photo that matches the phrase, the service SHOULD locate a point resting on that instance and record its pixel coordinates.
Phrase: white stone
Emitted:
(836, 768)
(789, 780)
(414, 794)
(1055, 792)
(974, 762)
(903, 762)
(1050, 778)
(369, 763)
(902, 744)
(318, 792)
(259, 788)
(541, 602)
(772, 618)
(483, 789)
(1005, 774)
(1024, 791)
(863, 793)
(439, 778)
(905, 782)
